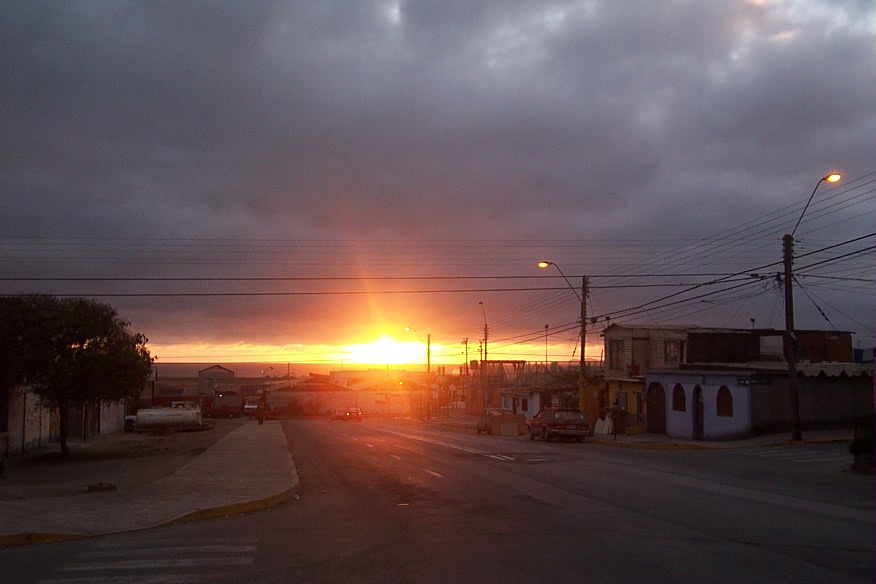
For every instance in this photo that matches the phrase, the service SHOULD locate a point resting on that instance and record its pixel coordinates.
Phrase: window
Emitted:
(673, 351)
(616, 355)
(725, 403)
(620, 400)
(679, 400)
(524, 404)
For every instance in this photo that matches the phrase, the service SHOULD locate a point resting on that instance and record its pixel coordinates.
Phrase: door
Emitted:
(656, 410)
(698, 413)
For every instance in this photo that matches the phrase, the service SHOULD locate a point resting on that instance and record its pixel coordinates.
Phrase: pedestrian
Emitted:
(263, 404)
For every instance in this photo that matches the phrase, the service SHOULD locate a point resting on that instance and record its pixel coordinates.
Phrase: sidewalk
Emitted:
(248, 469)
(662, 441)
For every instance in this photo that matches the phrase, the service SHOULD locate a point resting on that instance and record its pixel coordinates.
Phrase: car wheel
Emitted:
(545, 435)
(531, 434)
(479, 430)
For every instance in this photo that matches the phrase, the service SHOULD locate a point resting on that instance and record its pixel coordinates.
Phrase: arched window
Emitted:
(679, 403)
(725, 403)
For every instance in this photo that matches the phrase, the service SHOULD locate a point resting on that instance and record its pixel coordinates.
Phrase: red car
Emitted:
(353, 414)
(550, 423)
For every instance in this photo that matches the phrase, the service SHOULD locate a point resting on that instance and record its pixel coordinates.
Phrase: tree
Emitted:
(22, 345)
(77, 351)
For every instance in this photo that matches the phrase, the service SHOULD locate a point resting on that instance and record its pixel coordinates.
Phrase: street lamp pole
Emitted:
(791, 341)
(545, 347)
(484, 311)
(582, 375)
(428, 347)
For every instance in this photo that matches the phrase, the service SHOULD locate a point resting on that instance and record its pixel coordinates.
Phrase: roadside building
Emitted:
(720, 383)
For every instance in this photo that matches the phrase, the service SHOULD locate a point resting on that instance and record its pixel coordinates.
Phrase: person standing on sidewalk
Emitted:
(263, 404)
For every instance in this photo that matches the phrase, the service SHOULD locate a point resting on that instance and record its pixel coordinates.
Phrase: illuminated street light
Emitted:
(544, 264)
(791, 345)
(831, 178)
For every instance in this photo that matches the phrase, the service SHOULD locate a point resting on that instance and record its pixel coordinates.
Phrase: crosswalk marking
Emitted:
(130, 563)
(195, 549)
(165, 579)
(160, 563)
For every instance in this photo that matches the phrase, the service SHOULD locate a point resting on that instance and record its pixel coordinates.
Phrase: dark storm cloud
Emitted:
(445, 120)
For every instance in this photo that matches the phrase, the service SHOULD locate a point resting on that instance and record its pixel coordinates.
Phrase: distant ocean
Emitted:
(254, 370)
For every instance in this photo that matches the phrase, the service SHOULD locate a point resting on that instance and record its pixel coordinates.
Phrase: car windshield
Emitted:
(570, 415)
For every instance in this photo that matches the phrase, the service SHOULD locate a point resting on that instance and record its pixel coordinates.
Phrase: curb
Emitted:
(235, 508)
(652, 445)
(20, 539)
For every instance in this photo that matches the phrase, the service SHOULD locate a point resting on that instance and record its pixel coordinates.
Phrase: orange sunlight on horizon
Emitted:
(385, 350)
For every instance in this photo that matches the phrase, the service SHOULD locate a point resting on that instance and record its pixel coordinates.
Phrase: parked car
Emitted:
(489, 413)
(337, 415)
(353, 414)
(251, 407)
(550, 423)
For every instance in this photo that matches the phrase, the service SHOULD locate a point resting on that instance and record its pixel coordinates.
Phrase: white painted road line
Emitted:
(450, 445)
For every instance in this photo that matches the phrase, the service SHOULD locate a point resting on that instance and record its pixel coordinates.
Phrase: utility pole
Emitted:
(791, 340)
(791, 337)
(582, 377)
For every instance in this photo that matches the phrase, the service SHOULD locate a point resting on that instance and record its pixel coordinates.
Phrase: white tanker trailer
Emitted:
(170, 418)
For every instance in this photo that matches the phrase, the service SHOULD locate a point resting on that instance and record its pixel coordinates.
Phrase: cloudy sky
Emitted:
(278, 180)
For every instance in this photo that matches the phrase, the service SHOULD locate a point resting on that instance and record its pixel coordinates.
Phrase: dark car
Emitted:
(550, 423)
(489, 413)
(353, 414)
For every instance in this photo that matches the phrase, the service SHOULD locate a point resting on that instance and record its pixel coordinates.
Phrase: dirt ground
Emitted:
(120, 461)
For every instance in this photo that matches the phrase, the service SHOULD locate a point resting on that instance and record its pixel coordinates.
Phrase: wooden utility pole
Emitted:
(791, 337)
(582, 377)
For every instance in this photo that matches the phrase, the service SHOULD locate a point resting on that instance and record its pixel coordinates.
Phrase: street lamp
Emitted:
(582, 374)
(484, 377)
(790, 335)
(545, 347)
(428, 342)
(546, 264)
(484, 311)
(428, 364)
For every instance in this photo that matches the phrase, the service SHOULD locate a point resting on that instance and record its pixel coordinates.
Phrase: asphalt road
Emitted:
(385, 501)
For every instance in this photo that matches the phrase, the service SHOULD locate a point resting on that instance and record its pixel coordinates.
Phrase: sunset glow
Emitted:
(385, 350)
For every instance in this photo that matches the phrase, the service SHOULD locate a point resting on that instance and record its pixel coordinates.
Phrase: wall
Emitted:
(681, 424)
(643, 348)
(112, 417)
(628, 394)
(722, 347)
(824, 402)
(30, 424)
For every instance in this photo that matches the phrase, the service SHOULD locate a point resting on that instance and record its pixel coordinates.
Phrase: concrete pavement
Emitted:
(248, 469)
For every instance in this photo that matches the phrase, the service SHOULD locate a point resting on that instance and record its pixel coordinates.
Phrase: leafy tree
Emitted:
(22, 346)
(77, 351)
